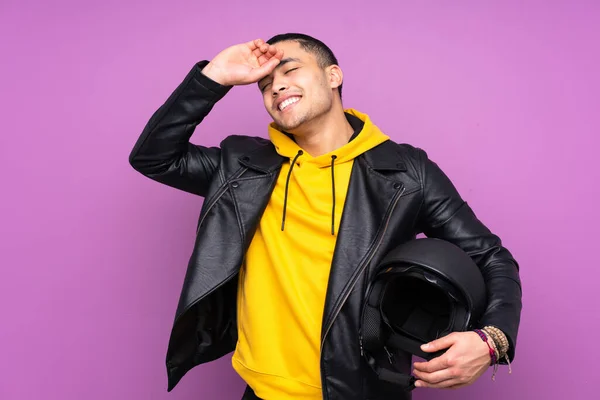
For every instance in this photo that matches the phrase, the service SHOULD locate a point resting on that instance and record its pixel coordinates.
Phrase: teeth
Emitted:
(286, 103)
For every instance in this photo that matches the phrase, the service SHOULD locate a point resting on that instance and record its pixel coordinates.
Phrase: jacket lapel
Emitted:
(370, 197)
(255, 187)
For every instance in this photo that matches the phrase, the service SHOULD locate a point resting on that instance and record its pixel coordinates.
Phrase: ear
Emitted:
(335, 75)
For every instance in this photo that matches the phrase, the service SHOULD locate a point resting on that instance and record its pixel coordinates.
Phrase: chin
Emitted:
(290, 124)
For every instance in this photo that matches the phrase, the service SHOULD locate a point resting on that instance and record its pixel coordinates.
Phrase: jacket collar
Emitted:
(266, 159)
(384, 157)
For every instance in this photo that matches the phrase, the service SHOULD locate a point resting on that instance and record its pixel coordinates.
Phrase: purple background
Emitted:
(503, 95)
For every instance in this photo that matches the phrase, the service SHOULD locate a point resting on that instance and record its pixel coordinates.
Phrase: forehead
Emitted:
(293, 49)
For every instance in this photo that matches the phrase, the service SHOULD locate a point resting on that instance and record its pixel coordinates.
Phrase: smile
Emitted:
(285, 104)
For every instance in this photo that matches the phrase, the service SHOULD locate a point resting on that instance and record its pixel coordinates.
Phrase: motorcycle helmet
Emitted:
(422, 290)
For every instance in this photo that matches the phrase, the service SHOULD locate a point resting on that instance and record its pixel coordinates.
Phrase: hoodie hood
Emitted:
(366, 136)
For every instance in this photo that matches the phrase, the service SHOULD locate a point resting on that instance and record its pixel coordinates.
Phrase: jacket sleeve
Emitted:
(163, 151)
(445, 215)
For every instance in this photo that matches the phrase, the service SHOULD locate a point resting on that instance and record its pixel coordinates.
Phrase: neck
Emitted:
(324, 134)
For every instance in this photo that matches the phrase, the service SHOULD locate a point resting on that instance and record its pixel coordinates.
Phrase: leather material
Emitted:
(249, 394)
(395, 193)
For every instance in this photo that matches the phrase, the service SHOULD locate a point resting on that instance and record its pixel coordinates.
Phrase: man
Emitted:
(292, 227)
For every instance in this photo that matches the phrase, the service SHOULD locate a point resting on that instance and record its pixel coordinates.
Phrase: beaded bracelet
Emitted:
(499, 339)
(501, 342)
(494, 360)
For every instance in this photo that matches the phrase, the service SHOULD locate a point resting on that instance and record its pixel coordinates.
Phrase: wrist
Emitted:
(490, 347)
(213, 73)
(493, 336)
(498, 338)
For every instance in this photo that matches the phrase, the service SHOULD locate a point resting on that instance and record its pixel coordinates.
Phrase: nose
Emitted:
(279, 85)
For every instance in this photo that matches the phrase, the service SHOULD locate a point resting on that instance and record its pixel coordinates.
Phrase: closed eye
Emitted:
(265, 87)
(285, 73)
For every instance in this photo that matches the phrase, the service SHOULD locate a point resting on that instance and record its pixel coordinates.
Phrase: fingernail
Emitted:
(425, 346)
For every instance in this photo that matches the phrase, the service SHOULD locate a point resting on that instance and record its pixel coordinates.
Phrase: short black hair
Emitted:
(325, 56)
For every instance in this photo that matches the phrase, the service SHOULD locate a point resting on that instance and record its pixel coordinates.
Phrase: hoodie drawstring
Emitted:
(287, 183)
(333, 190)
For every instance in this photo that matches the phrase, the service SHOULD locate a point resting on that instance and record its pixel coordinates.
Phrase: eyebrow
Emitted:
(281, 64)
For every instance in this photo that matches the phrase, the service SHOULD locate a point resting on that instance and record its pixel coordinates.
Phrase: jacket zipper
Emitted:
(219, 194)
(359, 271)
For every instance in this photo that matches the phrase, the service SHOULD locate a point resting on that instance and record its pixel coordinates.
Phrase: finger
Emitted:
(260, 51)
(440, 344)
(275, 52)
(442, 385)
(256, 52)
(263, 58)
(255, 44)
(436, 364)
(264, 52)
(435, 377)
(258, 73)
(272, 52)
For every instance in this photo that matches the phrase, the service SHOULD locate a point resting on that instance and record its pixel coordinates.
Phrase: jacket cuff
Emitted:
(218, 90)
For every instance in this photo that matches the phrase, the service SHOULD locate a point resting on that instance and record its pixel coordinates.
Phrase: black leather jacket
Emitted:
(395, 193)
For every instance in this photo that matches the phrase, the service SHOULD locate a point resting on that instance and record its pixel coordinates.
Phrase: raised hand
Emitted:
(244, 63)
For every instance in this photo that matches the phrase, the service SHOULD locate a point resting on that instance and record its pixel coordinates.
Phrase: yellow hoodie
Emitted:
(284, 278)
